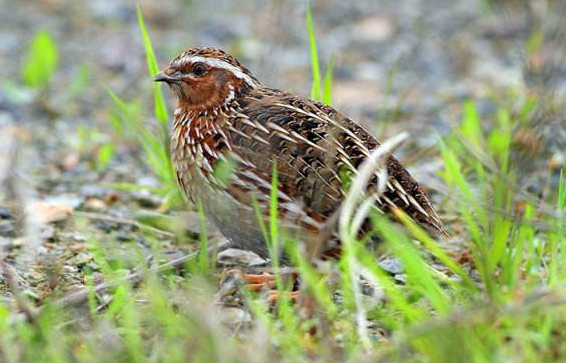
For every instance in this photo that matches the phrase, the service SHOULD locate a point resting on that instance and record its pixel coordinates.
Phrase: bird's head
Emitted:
(205, 78)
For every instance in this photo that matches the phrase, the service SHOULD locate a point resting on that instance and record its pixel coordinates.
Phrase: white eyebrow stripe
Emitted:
(213, 62)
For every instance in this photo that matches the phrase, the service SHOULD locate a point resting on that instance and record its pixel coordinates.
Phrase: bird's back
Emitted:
(316, 150)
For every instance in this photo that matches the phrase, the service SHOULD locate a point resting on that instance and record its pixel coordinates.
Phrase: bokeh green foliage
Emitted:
(129, 122)
(41, 60)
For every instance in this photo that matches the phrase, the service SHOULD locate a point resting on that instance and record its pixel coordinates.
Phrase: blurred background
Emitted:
(414, 58)
(79, 155)
(76, 92)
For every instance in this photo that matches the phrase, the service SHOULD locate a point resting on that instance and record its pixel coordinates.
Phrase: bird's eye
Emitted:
(199, 69)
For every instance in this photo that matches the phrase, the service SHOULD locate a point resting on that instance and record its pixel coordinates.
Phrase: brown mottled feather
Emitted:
(227, 114)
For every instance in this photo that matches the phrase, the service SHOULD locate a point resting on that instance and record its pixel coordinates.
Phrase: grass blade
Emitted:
(315, 91)
(327, 87)
(42, 60)
(160, 107)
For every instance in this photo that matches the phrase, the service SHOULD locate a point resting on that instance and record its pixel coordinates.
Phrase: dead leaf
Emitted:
(50, 212)
(94, 205)
(70, 161)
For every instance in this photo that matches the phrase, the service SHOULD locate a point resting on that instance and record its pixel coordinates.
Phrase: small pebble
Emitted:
(18, 242)
(237, 257)
(7, 228)
(400, 278)
(5, 213)
(94, 205)
(123, 236)
(234, 317)
(146, 199)
(66, 199)
(77, 247)
(391, 265)
(78, 237)
(47, 232)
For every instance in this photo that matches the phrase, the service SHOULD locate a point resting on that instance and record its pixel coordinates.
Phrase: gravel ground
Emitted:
(399, 65)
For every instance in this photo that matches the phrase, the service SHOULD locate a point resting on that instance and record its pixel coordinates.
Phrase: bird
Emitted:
(226, 119)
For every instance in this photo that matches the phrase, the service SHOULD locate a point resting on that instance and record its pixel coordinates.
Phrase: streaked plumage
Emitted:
(225, 114)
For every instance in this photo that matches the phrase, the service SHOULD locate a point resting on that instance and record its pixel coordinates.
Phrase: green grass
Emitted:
(130, 123)
(41, 61)
(160, 107)
(508, 306)
(321, 88)
(81, 81)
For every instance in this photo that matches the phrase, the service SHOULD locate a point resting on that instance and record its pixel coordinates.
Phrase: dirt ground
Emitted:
(399, 65)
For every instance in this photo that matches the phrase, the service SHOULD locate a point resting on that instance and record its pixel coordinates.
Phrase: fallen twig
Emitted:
(124, 221)
(80, 296)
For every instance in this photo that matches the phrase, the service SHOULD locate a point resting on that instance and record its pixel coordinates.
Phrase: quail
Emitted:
(226, 117)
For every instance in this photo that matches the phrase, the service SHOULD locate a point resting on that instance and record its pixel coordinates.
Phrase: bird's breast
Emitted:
(197, 144)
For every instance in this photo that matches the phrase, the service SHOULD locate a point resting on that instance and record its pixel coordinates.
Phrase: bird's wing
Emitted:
(316, 150)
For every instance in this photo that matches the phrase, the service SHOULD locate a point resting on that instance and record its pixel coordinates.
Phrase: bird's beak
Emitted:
(166, 76)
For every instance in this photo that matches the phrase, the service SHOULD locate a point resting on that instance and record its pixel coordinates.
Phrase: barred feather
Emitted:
(227, 114)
